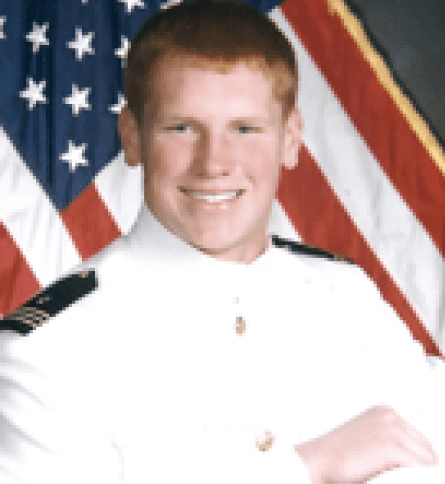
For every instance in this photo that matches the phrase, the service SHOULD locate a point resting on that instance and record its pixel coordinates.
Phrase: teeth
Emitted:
(220, 197)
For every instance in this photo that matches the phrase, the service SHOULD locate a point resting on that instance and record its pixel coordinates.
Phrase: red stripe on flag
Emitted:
(327, 219)
(89, 223)
(17, 281)
(373, 112)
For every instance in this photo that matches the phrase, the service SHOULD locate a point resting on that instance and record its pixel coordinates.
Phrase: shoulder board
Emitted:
(49, 302)
(298, 248)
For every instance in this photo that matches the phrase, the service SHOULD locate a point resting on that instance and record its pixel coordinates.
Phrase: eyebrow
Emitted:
(192, 120)
(177, 118)
(253, 120)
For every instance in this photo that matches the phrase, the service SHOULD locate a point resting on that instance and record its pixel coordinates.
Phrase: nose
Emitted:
(212, 157)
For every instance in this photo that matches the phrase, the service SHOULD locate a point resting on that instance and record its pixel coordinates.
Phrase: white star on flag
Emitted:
(38, 36)
(84, 2)
(75, 155)
(82, 43)
(78, 99)
(2, 23)
(131, 4)
(34, 93)
(122, 51)
(121, 103)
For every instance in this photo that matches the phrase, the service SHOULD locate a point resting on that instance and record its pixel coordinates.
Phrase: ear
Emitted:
(292, 138)
(130, 137)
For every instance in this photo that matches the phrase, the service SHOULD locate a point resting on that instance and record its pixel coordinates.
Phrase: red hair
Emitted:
(210, 34)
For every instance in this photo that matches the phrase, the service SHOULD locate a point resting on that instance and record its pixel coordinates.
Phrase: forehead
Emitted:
(197, 87)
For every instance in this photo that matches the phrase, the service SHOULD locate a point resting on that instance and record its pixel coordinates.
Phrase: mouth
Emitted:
(212, 196)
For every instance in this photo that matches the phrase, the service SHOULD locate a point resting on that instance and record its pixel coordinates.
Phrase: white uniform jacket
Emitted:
(184, 368)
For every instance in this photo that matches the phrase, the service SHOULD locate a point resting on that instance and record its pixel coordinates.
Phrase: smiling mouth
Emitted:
(213, 197)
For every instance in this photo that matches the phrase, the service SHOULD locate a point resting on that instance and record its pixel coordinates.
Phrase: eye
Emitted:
(179, 128)
(246, 129)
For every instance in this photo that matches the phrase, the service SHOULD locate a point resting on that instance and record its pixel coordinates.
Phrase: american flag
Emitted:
(369, 183)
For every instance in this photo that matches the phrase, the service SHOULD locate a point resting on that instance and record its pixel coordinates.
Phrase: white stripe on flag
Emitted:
(279, 223)
(387, 223)
(31, 219)
(121, 190)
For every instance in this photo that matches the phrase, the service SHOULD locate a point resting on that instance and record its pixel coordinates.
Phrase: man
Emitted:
(208, 354)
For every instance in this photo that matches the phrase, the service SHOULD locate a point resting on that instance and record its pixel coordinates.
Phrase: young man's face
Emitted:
(212, 146)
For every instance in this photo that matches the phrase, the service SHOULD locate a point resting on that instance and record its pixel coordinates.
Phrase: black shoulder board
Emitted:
(296, 247)
(49, 302)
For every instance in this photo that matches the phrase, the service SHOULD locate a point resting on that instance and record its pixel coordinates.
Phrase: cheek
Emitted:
(261, 160)
(170, 159)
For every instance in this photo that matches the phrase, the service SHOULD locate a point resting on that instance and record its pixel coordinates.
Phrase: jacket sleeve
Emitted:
(46, 437)
(219, 457)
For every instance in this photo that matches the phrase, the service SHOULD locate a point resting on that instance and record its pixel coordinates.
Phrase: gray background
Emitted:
(413, 34)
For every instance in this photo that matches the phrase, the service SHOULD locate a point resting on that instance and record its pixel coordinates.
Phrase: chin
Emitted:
(229, 236)
(231, 248)
(213, 246)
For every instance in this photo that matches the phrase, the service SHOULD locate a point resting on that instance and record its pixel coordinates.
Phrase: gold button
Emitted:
(240, 325)
(265, 442)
